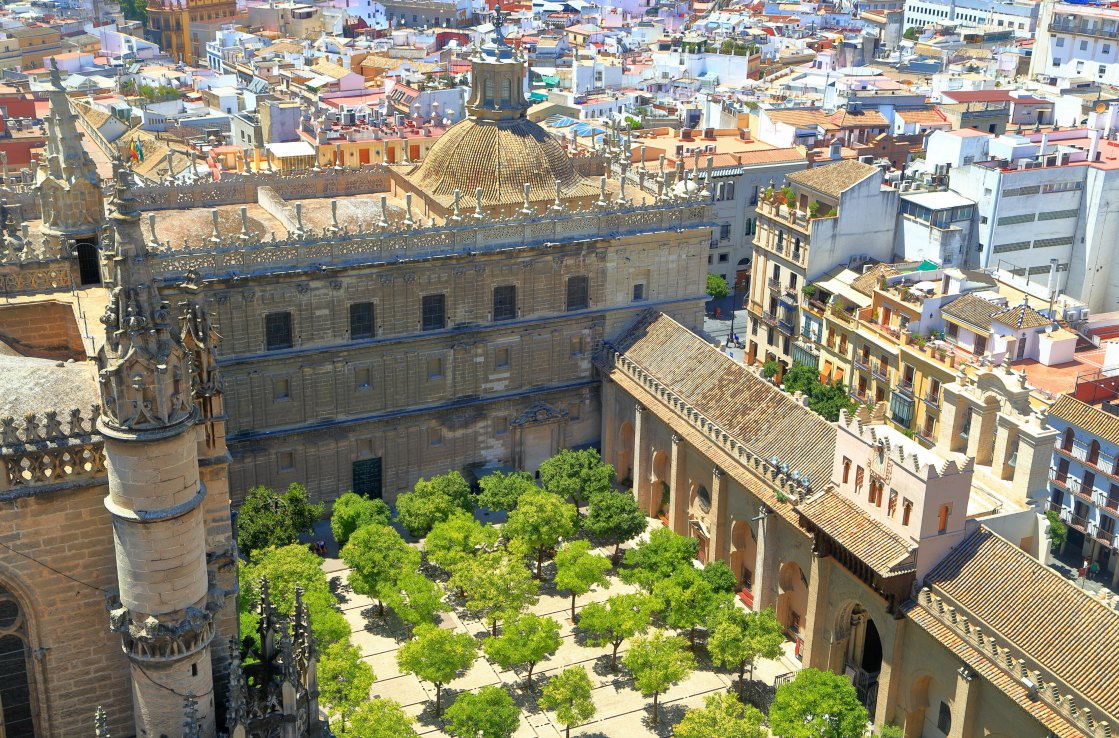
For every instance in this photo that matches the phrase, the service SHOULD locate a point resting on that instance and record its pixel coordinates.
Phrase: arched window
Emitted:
(846, 469)
(16, 715)
(1094, 453)
(506, 93)
(1066, 442)
(942, 522)
(487, 94)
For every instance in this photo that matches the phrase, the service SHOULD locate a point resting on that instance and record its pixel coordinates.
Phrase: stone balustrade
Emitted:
(45, 450)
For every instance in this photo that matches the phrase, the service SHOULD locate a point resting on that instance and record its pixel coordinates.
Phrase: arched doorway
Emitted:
(17, 716)
(89, 262)
(743, 555)
(858, 636)
(918, 705)
(792, 601)
(660, 493)
(624, 455)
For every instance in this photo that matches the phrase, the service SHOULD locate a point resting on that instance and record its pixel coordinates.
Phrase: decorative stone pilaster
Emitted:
(720, 525)
(640, 458)
(678, 487)
(964, 705)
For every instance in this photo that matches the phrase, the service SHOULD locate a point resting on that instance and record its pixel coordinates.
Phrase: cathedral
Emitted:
(164, 349)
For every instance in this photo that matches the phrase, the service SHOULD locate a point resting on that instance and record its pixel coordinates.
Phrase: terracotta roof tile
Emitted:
(1035, 611)
(1088, 418)
(1022, 316)
(833, 179)
(973, 311)
(868, 280)
(875, 545)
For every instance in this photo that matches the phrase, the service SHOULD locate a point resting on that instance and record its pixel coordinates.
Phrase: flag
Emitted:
(132, 151)
(139, 151)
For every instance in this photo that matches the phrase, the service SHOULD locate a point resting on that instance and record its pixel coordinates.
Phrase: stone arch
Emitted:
(624, 456)
(660, 482)
(89, 262)
(792, 598)
(699, 499)
(743, 553)
(22, 709)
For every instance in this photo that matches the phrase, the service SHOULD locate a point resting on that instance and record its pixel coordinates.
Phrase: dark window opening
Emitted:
(277, 331)
(505, 302)
(361, 321)
(434, 312)
(577, 293)
(89, 267)
(367, 478)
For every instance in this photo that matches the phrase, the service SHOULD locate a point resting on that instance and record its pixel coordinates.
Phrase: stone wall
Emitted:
(241, 190)
(44, 328)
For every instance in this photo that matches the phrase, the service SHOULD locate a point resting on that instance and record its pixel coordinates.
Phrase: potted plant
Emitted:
(814, 210)
(809, 291)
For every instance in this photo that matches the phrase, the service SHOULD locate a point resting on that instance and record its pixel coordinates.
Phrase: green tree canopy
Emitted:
(618, 618)
(487, 713)
(541, 520)
(270, 518)
(737, 639)
(433, 500)
(287, 568)
(525, 640)
(352, 511)
(379, 718)
(503, 491)
(376, 555)
(414, 598)
(722, 716)
(826, 400)
(614, 517)
(657, 662)
(687, 600)
(568, 694)
(344, 682)
(817, 704)
(458, 537)
(578, 475)
(658, 557)
(719, 576)
(717, 287)
(437, 655)
(498, 586)
(577, 569)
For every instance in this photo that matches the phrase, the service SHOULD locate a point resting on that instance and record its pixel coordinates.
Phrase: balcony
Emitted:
(815, 307)
(862, 362)
(841, 315)
(905, 388)
(1079, 453)
(769, 318)
(860, 395)
(786, 326)
(774, 285)
(880, 371)
(1083, 29)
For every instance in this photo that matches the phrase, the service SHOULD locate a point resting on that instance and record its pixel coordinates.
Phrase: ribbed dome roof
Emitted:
(500, 157)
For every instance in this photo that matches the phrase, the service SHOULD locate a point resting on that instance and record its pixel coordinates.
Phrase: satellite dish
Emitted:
(1101, 107)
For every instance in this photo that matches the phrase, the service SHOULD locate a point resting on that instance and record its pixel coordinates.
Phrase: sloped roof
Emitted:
(872, 543)
(973, 311)
(833, 179)
(868, 280)
(1024, 603)
(1088, 418)
(759, 415)
(1022, 316)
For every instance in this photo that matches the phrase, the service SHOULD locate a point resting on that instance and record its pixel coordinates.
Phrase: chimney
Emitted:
(1044, 144)
(1052, 279)
(1093, 152)
(835, 150)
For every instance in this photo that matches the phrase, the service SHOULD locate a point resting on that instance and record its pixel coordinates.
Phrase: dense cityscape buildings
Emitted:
(830, 287)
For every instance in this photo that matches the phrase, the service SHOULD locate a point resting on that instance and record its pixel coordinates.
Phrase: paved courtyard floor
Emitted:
(622, 711)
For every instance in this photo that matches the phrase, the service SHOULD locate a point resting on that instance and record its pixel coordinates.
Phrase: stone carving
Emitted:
(154, 639)
(540, 413)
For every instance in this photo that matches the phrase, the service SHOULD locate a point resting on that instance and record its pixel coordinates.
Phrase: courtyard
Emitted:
(622, 712)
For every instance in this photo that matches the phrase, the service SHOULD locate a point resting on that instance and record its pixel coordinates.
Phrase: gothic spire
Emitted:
(192, 727)
(100, 726)
(65, 158)
(237, 712)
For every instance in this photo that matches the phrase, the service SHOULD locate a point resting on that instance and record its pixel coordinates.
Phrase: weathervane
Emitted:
(499, 25)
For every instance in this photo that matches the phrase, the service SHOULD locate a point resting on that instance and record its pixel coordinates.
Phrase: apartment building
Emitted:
(1076, 43)
(821, 217)
(1020, 17)
(1084, 477)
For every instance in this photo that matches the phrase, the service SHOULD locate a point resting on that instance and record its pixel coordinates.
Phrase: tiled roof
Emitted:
(862, 118)
(972, 311)
(926, 116)
(833, 179)
(868, 280)
(1035, 611)
(757, 414)
(1022, 316)
(802, 118)
(1090, 419)
(875, 545)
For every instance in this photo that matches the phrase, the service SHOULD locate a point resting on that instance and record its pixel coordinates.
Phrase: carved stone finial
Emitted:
(602, 202)
(192, 727)
(526, 209)
(408, 222)
(478, 214)
(100, 723)
(383, 223)
(456, 217)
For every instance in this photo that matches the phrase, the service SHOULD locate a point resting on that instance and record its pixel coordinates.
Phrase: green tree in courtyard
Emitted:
(658, 557)
(456, 538)
(497, 586)
(657, 662)
(376, 555)
(503, 491)
(432, 501)
(527, 640)
(578, 475)
(817, 704)
(614, 517)
(719, 576)
(568, 694)
(541, 520)
(414, 598)
(270, 518)
(717, 287)
(344, 682)
(618, 618)
(722, 716)
(379, 718)
(577, 569)
(487, 713)
(438, 656)
(687, 600)
(285, 569)
(352, 511)
(738, 639)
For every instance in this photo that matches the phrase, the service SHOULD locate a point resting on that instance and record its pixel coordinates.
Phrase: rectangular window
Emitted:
(361, 320)
(724, 258)
(435, 436)
(361, 378)
(576, 347)
(858, 478)
(281, 389)
(367, 478)
(505, 302)
(277, 331)
(1014, 219)
(435, 368)
(434, 309)
(285, 461)
(724, 232)
(501, 358)
(980, 345)
(500, 425)
(638, 292)
(577, 289)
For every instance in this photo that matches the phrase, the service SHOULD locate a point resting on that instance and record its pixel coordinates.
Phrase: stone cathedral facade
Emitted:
(162, 350)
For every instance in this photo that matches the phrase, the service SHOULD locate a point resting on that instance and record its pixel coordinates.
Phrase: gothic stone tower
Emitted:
(69, 189)
(166, 609)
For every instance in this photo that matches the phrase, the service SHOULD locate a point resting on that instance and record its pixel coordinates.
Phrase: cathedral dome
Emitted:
(500, 156)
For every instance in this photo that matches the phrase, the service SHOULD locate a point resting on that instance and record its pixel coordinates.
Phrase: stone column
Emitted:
(764, 593)
(720, 526)
(963, 706)
(678, 493)
(640, 452)
(1035, 453)
(817, 621)
(1006, 434)
(609, 421)
(981, 435)
(889, 678)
